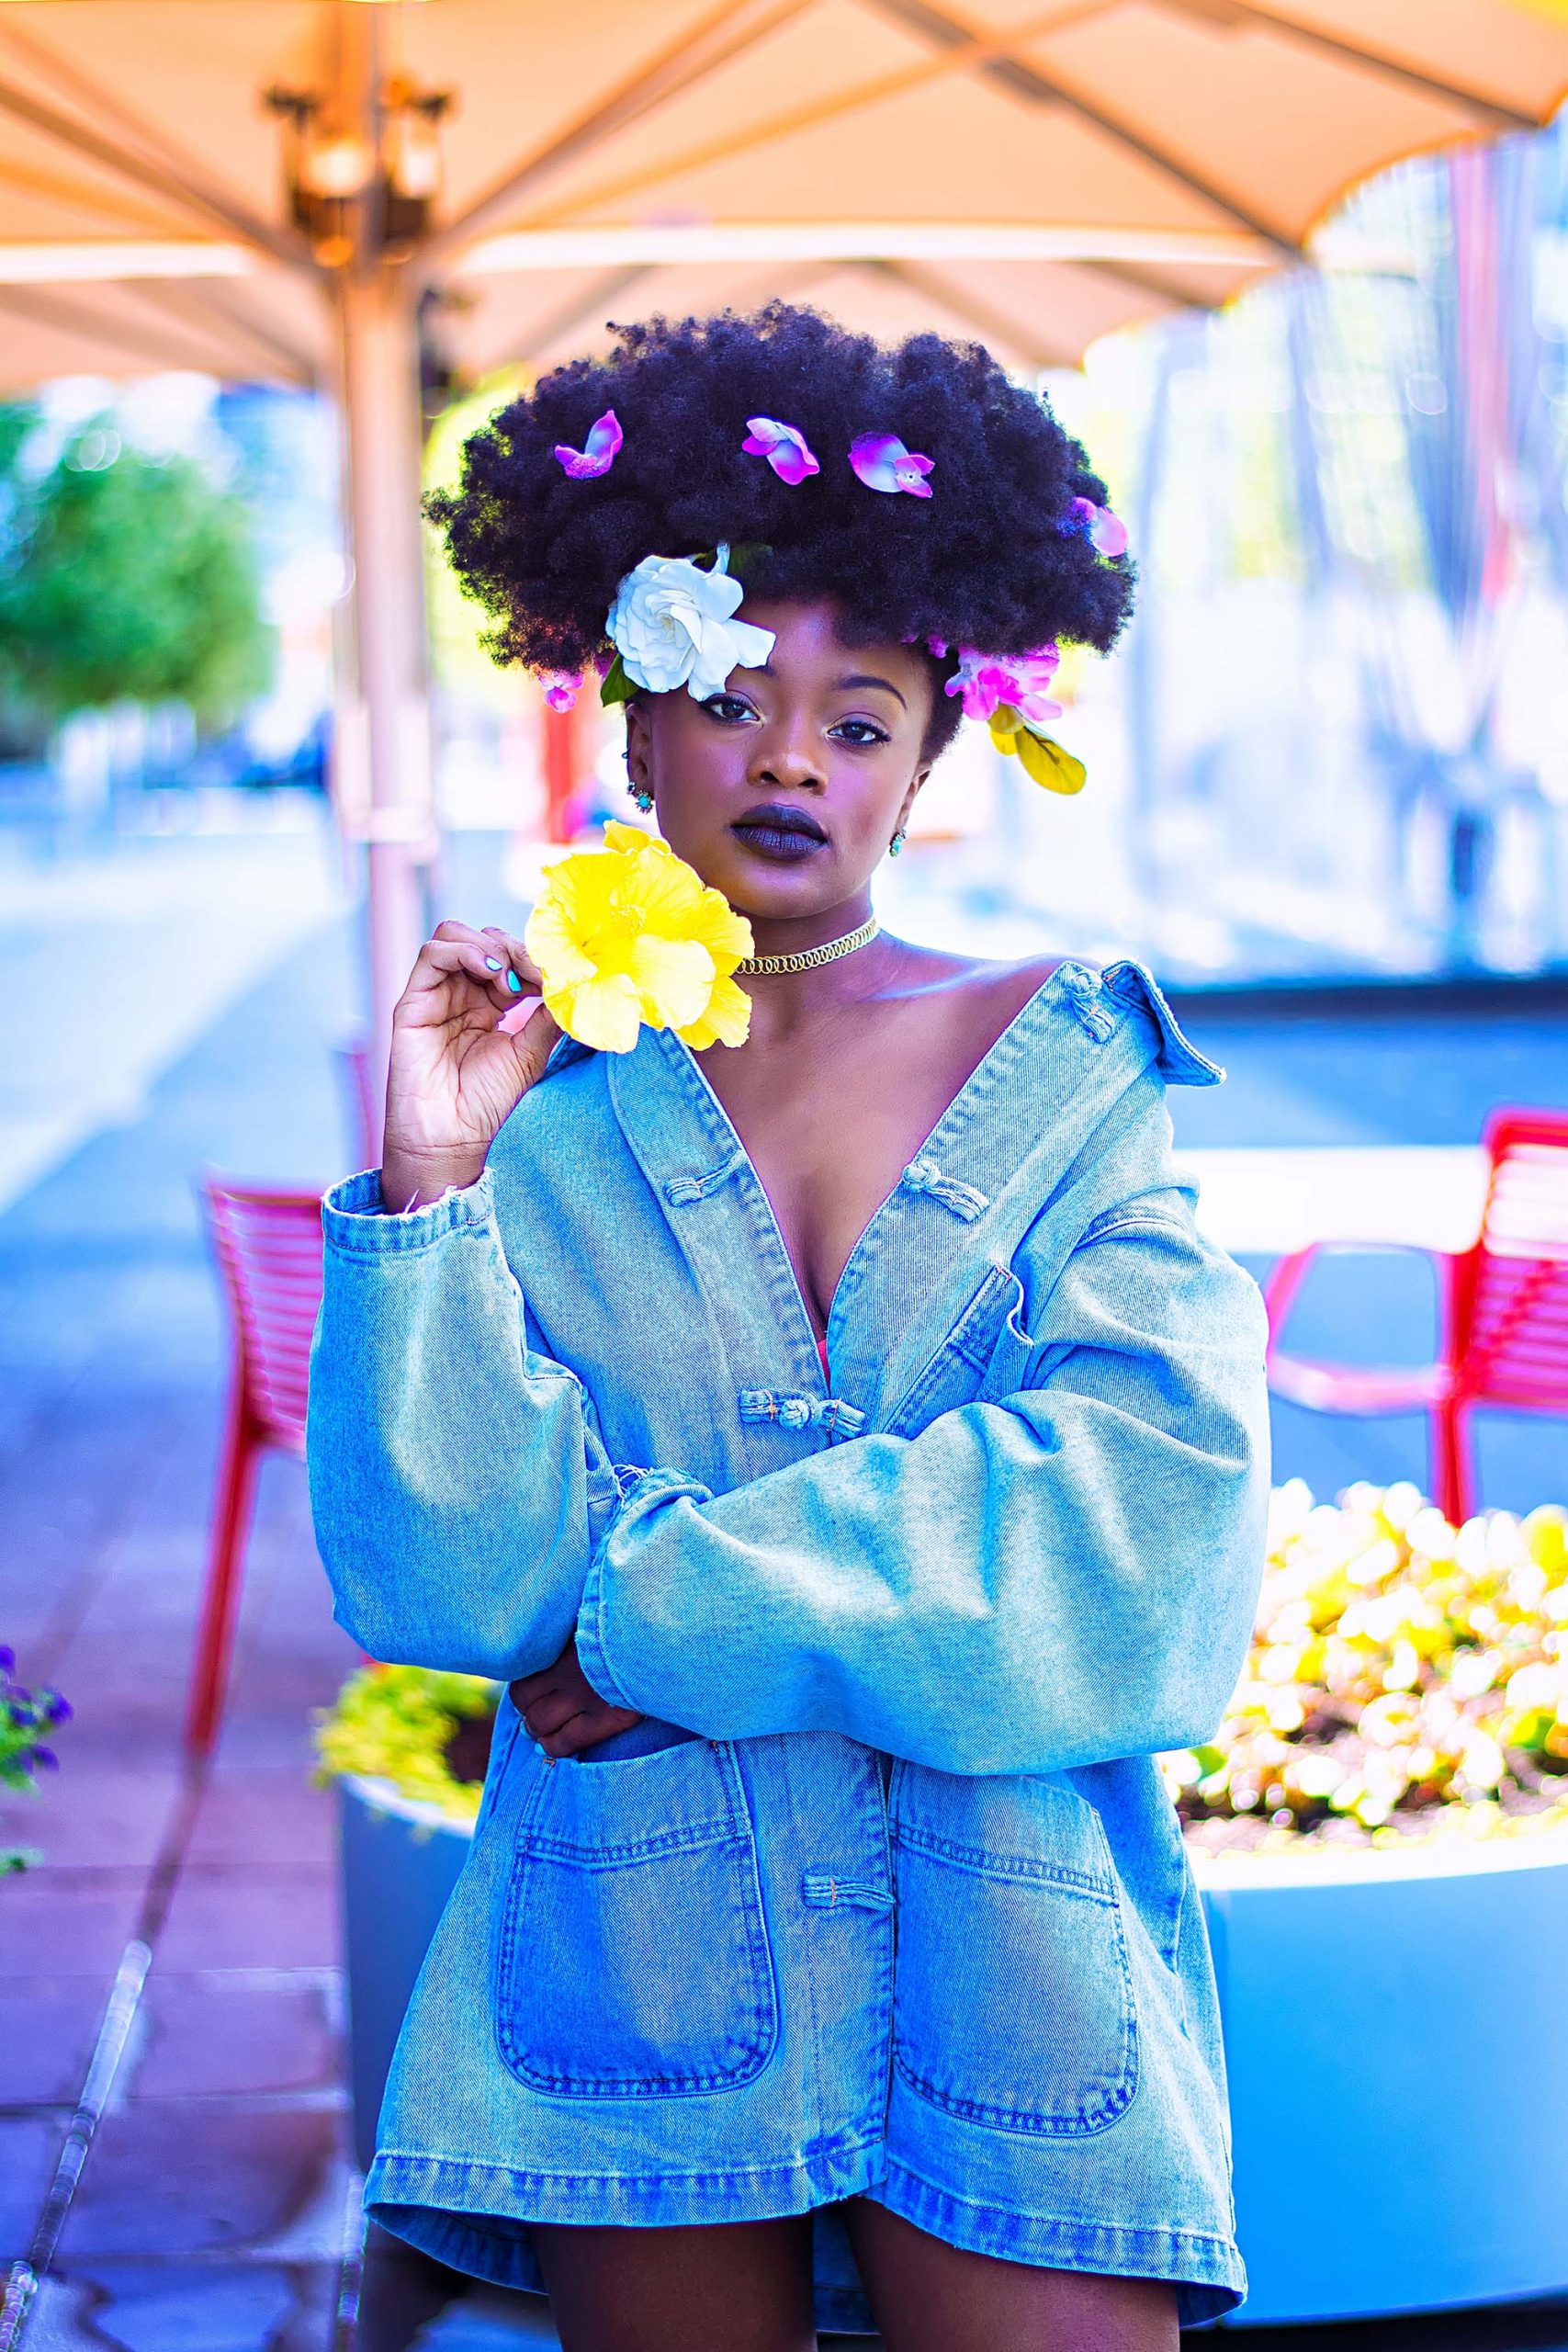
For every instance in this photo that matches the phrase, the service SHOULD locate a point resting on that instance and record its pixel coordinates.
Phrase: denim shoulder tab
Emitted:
(1178, 1061)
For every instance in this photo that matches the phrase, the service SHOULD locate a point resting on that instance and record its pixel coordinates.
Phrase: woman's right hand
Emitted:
(468, 1040)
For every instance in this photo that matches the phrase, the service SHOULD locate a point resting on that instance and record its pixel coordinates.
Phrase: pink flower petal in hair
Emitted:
(882, 463)
(561, 689)
(597, 453)
(784, 448)
(986, 681)
(1107, 532)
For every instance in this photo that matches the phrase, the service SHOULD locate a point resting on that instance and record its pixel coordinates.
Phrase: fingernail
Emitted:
(517, 1016)
(493, 963)
(514, 984)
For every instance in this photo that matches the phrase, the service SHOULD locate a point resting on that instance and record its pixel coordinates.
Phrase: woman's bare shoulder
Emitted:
(982, 998)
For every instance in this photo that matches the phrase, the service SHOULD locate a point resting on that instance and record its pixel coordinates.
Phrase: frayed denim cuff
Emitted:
(356, 1222)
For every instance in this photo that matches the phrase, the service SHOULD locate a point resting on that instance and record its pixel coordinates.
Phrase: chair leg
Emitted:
(220, 1594)
(1451, 1470)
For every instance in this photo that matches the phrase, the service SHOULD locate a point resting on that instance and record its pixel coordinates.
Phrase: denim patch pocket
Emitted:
(632, 1959)
(1012, 1997)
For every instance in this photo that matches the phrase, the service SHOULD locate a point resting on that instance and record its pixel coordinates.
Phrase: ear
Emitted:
(639, 745)
(912, 794)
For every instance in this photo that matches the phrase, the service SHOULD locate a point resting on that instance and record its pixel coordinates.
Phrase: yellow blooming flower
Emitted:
(1044, 761)
(628, 934)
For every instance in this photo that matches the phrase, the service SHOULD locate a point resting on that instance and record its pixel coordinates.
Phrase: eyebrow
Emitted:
(867, 679)
(841, 685)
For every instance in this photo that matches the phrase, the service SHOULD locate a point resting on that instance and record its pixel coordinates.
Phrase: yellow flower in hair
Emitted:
(629, 934)
(1044, 761)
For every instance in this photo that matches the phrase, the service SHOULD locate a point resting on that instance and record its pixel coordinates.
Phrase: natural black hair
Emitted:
(993, 558)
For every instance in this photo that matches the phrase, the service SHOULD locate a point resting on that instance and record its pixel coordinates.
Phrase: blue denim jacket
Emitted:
(885, 1897)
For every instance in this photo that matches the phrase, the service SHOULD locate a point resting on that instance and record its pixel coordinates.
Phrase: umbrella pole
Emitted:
(391, 809)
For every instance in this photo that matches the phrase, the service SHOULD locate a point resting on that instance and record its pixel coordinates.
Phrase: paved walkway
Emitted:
(215, 2201)
(173, 2154)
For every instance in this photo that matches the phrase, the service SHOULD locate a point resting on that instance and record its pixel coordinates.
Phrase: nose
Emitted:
(786, 758)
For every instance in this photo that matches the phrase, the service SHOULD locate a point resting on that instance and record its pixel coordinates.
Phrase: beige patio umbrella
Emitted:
(270, 188)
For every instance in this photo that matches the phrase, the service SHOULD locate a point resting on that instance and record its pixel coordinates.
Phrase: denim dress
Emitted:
(885, 1898)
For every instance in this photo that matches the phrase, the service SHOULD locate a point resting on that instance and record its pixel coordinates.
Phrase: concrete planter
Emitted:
(401, 1860)
(1398, 2075)
(1394, 2028)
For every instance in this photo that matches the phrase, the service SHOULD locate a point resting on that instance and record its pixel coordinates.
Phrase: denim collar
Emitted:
(997, 1156)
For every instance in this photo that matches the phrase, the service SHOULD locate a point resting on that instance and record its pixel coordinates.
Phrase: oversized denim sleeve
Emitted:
(1059, 1578)
(455, 1477)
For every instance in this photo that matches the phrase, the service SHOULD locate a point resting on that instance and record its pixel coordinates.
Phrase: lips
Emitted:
(778, 828)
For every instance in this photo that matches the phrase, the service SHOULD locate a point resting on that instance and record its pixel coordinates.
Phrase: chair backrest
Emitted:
(269, 1247)
(1510, 1296)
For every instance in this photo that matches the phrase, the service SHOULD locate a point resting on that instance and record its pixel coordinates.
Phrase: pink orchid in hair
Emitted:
(882, 463)
(784, 448)
(597, 453)
(1107, 532)
(561, 689)
(1022, 680)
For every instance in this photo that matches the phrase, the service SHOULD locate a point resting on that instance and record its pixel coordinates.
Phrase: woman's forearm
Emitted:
(457, 1482)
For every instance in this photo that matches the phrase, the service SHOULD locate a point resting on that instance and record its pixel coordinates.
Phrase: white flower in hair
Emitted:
(675, 626)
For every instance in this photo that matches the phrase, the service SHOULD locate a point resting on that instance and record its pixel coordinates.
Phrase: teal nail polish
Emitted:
(493, 963)
(514, 984)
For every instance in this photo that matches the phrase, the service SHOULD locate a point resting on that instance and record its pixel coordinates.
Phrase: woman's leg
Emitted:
(400, 2291)
(716, 2287)
(927, 2296)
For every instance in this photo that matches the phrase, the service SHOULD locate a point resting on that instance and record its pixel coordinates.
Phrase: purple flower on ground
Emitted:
(784, 448)
(882, 463)
(47, 1758)
(7, 1660)
(57, 1708)
(597, 453)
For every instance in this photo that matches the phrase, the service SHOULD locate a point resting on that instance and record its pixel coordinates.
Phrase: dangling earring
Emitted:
(644, 799)
(896, 843)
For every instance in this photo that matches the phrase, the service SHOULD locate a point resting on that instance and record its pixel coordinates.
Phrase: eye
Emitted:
(861, 732)
(731, 710)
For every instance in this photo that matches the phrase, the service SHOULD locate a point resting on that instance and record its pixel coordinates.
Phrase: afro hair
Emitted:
(994, 559)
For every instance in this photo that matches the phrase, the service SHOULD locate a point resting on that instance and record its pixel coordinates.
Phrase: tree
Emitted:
(126, 575)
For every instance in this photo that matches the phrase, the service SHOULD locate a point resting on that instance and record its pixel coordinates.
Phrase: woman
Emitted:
(842, 1442)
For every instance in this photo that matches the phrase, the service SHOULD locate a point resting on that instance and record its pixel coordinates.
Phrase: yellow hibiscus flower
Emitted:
(628, 934)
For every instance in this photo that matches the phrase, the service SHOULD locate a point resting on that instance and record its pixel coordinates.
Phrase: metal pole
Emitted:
(385, 798)
(394, 815)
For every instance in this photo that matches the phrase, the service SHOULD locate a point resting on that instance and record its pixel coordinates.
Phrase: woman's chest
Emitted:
(831, 1135)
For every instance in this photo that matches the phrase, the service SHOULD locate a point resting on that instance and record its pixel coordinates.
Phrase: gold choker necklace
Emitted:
(753, 967)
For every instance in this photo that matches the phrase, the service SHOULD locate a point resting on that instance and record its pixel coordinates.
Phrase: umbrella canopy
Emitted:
(285, 187)
(1037, 173)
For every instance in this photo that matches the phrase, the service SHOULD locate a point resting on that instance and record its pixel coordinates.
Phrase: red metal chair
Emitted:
(1503, 1333)
(268, 1247)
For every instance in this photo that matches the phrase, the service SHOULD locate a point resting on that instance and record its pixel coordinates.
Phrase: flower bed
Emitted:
(1407, 1680)
(425, 1732)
